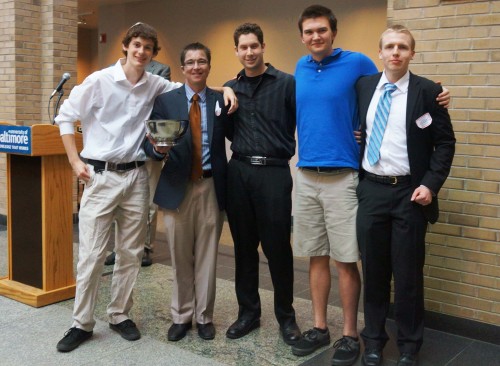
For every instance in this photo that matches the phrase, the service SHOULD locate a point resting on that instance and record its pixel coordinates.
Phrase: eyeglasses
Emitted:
(191, 63)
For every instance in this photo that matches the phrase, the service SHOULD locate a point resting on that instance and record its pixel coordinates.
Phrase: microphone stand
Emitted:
(56, 107)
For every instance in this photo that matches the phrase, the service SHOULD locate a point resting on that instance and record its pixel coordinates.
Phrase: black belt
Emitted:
(387, 179)
(326, 170)
(261, 160)
(100, 165)
(207, 174)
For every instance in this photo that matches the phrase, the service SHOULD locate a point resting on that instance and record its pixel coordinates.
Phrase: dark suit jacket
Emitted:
(176, 172)
(157, 68)
(430, 150)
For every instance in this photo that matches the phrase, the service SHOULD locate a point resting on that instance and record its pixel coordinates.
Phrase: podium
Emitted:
(40, 215)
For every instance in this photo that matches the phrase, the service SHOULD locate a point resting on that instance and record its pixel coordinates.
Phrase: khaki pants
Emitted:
(109, 196)
(193, 233)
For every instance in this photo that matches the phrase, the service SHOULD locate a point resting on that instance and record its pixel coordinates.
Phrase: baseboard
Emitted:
(459, 326)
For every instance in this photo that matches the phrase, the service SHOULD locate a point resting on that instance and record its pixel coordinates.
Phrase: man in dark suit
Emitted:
(404, 164)
(191, 192)
(157, 68)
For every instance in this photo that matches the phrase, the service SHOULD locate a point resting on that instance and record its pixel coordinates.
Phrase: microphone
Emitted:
(66, 76)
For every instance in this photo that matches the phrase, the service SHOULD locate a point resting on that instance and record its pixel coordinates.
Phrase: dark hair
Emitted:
(397, 28)
(142, 30)
(316, 11)
(248, 28)
(195, 46)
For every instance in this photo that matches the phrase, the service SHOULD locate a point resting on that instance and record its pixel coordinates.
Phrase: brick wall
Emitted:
(39, 43)
(458, 42)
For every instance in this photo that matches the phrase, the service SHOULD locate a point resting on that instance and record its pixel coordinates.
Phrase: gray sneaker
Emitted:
(346, 351)
(311, 341)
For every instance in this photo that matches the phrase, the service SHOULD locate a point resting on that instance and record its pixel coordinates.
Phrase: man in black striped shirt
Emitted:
(259, 204)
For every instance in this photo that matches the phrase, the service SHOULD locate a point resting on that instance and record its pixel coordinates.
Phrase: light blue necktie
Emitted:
(378, 129)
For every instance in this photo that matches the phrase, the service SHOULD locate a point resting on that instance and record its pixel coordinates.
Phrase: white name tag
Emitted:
(424, 121)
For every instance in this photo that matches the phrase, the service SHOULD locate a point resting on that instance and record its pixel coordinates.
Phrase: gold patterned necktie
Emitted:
(195, 123)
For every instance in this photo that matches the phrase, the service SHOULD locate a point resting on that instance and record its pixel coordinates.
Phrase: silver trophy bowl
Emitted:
(166, 132)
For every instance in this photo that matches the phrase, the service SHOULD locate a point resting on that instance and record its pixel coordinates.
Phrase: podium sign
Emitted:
(40, 215)
(15, 139)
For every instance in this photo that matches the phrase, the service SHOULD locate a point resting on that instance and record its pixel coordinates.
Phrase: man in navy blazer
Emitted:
(192, 207)
(397, 194)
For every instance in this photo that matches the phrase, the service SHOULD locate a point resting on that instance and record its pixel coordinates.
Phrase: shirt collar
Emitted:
(327, 59)
(401, 84)
(119, 73)
(190, 92)
(270, 70)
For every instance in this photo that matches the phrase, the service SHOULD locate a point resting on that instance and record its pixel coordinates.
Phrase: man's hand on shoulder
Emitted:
(444, 97)
(230, 99)
(357, 136)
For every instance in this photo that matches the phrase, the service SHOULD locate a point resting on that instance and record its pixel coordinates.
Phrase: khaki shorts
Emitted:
(324, 220)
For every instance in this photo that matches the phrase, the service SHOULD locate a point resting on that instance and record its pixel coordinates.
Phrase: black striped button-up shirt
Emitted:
(264, 123)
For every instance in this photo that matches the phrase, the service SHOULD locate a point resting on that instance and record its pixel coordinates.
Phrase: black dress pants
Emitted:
(259, 208)
(391, 236)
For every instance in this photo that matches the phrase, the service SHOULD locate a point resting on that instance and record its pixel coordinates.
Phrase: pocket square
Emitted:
(424, 121)
(218, 110)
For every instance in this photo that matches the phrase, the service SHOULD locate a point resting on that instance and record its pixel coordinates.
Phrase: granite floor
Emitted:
(28, 335)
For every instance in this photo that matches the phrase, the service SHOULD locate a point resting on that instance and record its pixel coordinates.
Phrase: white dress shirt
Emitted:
(393, 151)
(112, 112)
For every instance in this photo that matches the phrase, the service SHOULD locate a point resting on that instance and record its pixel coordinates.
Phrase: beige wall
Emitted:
(212, 23)
(87, 61)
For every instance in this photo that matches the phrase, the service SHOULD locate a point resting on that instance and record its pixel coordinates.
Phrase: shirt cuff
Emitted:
(67, 128)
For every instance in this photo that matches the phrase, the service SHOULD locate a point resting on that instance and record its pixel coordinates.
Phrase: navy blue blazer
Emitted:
(176, 172)
(431, 149)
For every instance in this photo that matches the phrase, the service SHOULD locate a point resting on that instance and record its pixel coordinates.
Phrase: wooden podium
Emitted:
(40, 215)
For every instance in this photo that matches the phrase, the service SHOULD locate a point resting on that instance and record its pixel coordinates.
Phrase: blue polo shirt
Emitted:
(327, 108)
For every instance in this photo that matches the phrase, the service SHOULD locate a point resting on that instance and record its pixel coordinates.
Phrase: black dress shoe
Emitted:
(146, 258)
(291, 333)
(242, 327)
(110, 259)
(407, 359)
(372, 357)
(206, 331)
(178, 331)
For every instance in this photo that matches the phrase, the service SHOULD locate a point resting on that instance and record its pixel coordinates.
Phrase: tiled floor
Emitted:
(33, 333)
